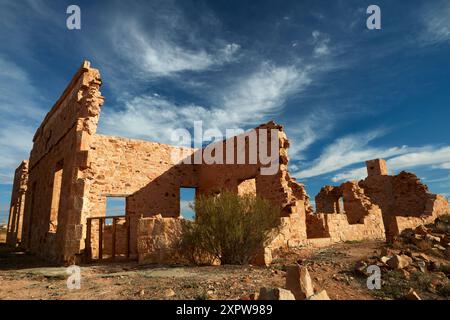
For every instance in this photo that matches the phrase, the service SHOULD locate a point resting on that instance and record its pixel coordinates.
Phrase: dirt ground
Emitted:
(23, 276)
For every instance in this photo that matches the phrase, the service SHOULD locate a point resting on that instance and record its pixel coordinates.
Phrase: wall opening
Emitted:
(115, 206)
(56, 197)
(187, 199)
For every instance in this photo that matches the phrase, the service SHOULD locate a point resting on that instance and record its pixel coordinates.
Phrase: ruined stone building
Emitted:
(402, 199)
(58, 205)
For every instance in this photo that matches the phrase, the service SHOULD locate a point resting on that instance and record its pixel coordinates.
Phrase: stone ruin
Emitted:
(58, 204)
(390, 204)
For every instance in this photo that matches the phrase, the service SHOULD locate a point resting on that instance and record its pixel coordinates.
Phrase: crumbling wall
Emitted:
(279, 188)
(403, 200)
(436, 205)
(362, 219)
(402, 195)
(327, 200)
(15, 222)
(370, 228)
(60, 143)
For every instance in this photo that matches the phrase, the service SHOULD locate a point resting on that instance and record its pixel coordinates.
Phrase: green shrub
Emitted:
(230, 227)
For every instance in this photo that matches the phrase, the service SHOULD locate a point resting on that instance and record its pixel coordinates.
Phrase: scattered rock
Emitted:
(399, 262)
(385, 259)
(422, 266)
(360, 267)
(169, 293)
(386, 252)
(432, 238)
(422, 230)
(275, 294)
(322, 295)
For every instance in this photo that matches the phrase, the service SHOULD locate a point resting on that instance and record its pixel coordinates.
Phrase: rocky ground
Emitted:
(415, 266)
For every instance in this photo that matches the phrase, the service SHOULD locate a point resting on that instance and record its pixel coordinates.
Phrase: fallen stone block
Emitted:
(399, 262)
(299, 282)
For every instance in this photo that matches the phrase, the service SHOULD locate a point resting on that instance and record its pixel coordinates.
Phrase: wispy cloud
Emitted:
(158, 55)
(20, 112)
(307, 131)
(445, 165)
(17, 95)
(436, 21)
(321, 43)
(434, 157)
(246, 102)
(346, 151)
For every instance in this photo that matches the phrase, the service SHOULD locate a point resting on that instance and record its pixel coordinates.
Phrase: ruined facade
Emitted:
(58, 206)
(15, 222)
(402, 201)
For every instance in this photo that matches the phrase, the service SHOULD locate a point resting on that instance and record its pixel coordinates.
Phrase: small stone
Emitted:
(422, 266)
(360, 267)
(322, 295)
(169, 293)
(422, 230)
(412, 295)
(399, 262)
(432, 238)
(405, 274)
(254, 296)
(385, 259)
(275, 294)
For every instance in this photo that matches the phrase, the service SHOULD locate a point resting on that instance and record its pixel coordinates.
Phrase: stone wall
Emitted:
(370, 228)
(158, 240)
(141, 172)
(403, 200)
(61, 142)
(15, 222)
(403, 195)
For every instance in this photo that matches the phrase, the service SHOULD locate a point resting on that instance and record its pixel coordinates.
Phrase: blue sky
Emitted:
(345, 94)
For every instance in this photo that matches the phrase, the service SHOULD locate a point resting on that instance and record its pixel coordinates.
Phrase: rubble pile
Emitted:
(416, 264)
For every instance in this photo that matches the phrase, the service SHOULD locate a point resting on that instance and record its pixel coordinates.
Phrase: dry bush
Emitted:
(230, 227)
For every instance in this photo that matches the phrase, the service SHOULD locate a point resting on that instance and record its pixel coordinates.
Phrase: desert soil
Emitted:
(25, 277)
